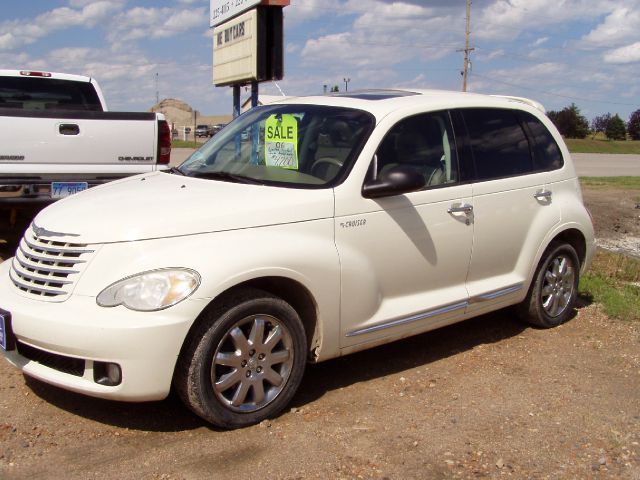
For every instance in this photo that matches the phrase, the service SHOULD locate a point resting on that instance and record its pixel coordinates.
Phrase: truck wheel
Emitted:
(552, 295)
(244, 362)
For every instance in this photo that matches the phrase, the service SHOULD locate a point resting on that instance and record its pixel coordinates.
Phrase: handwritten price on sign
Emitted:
(281, 154)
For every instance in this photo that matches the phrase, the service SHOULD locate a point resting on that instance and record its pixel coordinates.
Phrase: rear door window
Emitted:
(499, 144)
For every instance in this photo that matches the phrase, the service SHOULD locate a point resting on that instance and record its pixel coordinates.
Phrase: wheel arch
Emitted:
(571, 235)
(287, 289)
(576, 239)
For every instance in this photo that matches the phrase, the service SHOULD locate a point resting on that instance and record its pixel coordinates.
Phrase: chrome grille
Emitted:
(48, 268)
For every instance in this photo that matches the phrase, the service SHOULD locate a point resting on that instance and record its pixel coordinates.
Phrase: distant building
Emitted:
(180, 114)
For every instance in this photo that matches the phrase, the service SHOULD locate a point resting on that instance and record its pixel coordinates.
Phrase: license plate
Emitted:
(64, 189)
(7, 341)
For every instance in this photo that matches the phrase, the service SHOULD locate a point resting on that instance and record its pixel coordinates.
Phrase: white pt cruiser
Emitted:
(306, 229)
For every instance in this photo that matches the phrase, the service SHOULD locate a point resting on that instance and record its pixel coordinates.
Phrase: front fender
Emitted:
(304, 252)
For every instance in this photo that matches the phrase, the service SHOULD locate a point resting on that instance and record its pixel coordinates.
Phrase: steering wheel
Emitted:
(316, 167)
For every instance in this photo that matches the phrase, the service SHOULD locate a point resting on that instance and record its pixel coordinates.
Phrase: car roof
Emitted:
(381, 102)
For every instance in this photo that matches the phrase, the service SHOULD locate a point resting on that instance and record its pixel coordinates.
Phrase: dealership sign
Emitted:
(235, 50)
(223, 10)
(249, 47)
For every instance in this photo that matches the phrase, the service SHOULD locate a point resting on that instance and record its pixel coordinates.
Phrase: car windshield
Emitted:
(299, 146)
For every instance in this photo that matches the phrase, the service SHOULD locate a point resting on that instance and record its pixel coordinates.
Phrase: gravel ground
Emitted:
(487, 398)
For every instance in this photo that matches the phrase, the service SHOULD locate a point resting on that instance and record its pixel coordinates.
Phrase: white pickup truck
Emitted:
(57, 137)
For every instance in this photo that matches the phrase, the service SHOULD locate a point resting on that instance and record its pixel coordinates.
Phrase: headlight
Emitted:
(151, 291)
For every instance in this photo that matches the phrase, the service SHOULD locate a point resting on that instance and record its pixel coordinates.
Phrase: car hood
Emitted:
(162, 205)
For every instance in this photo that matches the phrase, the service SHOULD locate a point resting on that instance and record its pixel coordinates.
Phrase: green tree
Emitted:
(633, 127)
(570, 122)
(335, 88)
(616, 129)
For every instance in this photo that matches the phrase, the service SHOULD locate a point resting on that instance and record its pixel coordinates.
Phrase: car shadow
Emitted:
(13, 223)
(168, 415)
(171, 415)
(409, 353)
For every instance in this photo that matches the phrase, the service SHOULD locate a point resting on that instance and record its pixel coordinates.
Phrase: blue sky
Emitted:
(555, 51)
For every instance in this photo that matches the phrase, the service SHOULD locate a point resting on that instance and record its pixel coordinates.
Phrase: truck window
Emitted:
(48, 94)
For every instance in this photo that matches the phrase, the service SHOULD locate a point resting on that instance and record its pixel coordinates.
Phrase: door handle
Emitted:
(69, 129)
(543, 195)
(466, 209)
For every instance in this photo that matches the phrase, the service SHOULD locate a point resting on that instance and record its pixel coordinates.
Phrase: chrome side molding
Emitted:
(395, 322)
(410, 319)
(496, 293)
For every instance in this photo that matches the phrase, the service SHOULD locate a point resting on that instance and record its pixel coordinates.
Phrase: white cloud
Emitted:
(8, 41)
(292, 48)
(628, 54)
(540, 41)
(507, 19)
(549, 74)
(386, 34)
(303, 10)
(621, 25)
(87, 15)
(165, 22)
(492, 54)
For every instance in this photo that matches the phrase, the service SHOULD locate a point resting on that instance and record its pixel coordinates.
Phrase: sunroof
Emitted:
(375, 94)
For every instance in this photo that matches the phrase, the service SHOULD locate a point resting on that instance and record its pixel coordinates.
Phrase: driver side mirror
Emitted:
(395, 181)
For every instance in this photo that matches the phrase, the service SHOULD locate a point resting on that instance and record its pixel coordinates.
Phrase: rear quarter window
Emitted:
(498, 142)
(547, 154)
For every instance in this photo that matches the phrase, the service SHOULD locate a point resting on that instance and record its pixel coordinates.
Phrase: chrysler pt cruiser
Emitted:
(305, 230)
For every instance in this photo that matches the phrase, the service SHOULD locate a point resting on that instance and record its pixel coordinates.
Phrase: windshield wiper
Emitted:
(228, 177)
(175, 170)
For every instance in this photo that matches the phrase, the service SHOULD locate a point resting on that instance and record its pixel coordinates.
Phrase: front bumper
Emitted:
(145, 345)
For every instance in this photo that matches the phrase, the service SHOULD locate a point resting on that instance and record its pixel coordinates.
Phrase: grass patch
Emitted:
(628, 183)
(183, 144)
(614, 282)
(599, 145)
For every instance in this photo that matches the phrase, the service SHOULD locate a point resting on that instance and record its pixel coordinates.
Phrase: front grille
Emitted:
(47, 268)
(72, 366)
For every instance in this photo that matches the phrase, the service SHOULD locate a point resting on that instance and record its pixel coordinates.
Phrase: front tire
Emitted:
(552, 296)
(244, 362)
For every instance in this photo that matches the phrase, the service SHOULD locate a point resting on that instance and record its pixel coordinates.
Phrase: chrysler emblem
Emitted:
(43, 232)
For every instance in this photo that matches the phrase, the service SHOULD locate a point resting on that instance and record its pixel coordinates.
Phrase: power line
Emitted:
(544, 92)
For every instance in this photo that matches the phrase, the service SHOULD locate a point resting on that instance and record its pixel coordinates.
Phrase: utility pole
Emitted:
(157, 92)
(466, 50)
(346, 84)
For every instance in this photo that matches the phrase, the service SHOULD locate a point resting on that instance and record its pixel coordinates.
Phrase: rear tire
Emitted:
(552, 296)
(244, 362)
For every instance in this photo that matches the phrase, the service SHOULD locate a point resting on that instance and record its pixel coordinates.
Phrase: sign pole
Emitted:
(236, 113)
(254, 94)
(236, 100)
(255, 133)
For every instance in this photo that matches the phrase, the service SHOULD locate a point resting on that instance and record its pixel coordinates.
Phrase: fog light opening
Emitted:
(106, 373)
